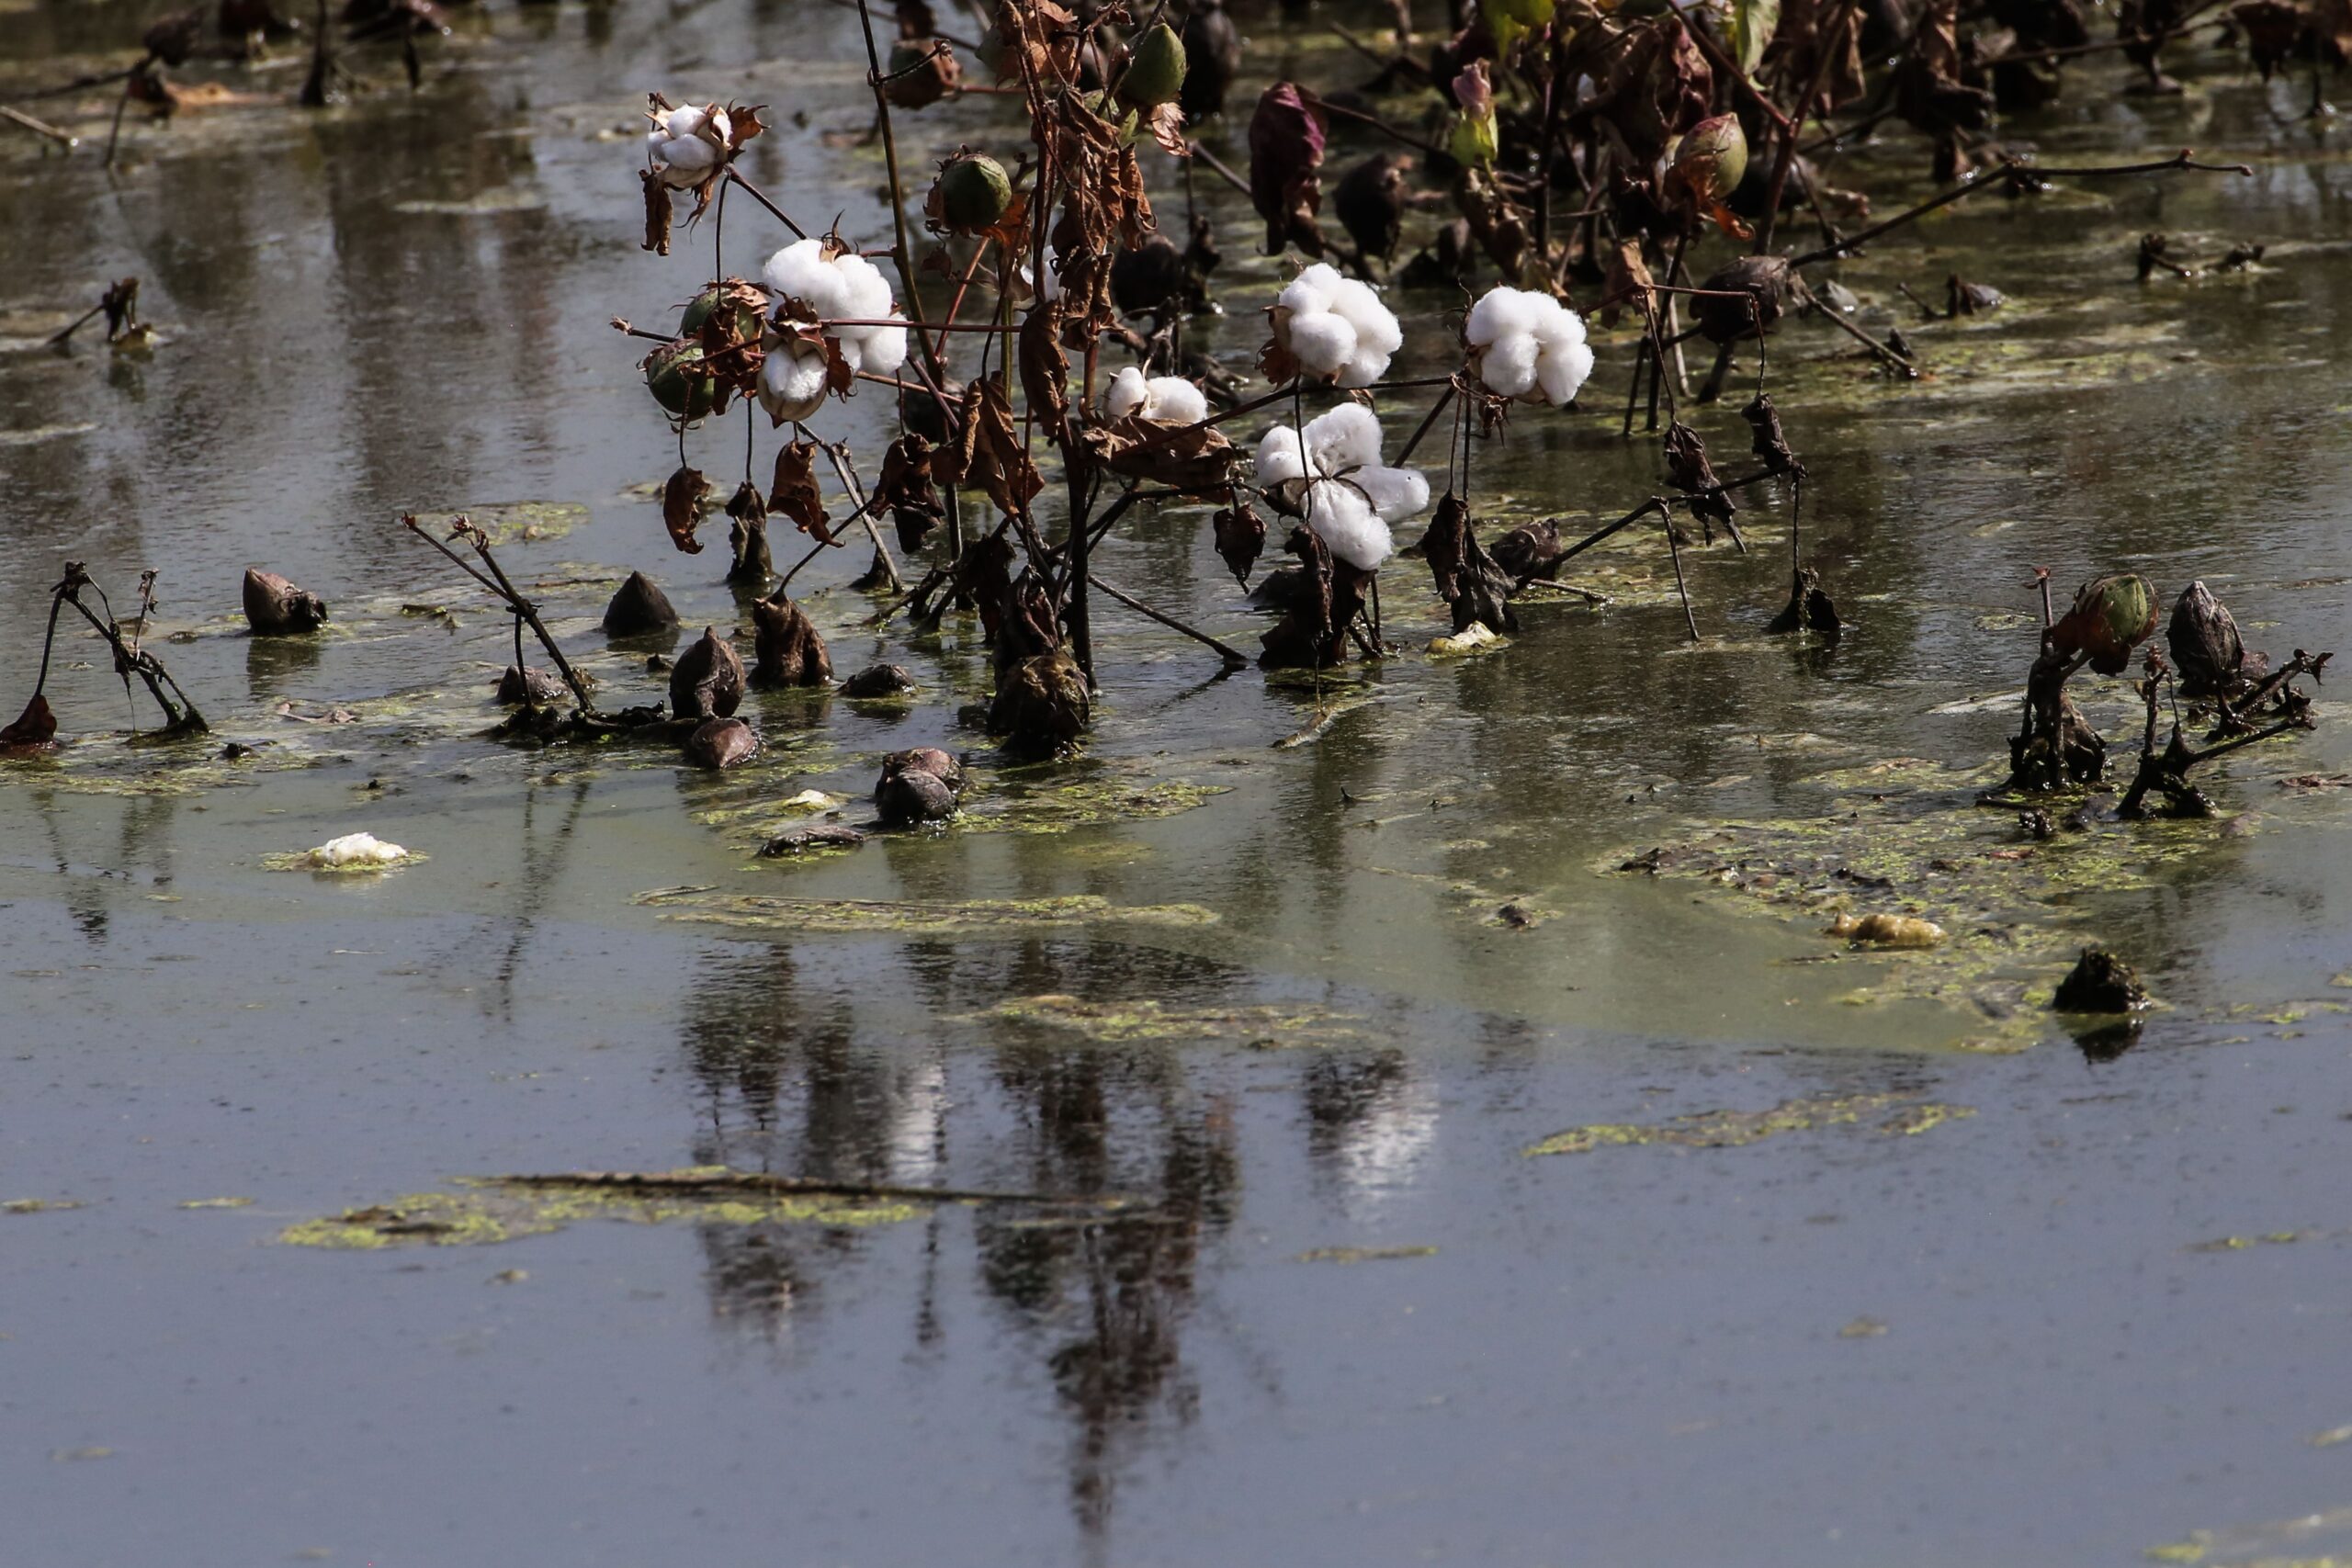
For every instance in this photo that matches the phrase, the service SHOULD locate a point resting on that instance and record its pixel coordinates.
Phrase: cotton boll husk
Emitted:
(1129, 394)
(1324, 344)
(1345, 521)
(1502, 311)
(792, 380)
(1177, 401)
(1394, 493)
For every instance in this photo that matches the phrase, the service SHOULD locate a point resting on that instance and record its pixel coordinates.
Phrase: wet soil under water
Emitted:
(1332, 1216)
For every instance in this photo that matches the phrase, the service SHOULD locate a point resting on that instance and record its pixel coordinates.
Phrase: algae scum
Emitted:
(1656, 1218)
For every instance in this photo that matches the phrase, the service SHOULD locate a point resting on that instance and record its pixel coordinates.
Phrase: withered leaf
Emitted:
(1167, 126)
(743, 124)
(684, 499)
(1240, 537)
(1045, 366)
(1194, 458)
(1688, 466)
(657, 213)
(1286, 141)
(989, 452)
(794, 491)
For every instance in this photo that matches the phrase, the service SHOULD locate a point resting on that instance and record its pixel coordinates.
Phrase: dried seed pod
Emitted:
(1041, 702)
(878, 681)
(786, 647)
(529, 685)
(708, 680)
(1528, 552)
(680, 382)
(639, 606)
(902, 800)
(2206, 648)
(2100, 982)
(721, 743)
(1765, 279)
(274, 607)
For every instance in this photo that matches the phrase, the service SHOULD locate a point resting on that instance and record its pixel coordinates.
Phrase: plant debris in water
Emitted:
(853, 916)
(1734, 1129)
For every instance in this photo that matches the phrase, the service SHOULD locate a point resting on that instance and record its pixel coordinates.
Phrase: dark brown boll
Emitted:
(1371, 198)
(529, 685)
(721, 743)
(905, 798)
(274, 607)
(639, 606)
(708, 681)
(878, 681)
(2205, 645)
(1763, 279)
(945, 766)
(2100, 982)
(786, 646)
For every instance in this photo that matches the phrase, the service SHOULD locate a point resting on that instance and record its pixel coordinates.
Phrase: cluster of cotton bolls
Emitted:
(685, 144)
(835, 286)
(1170, 399)
(1335, 327)
(1349, 497)
(1527, 345)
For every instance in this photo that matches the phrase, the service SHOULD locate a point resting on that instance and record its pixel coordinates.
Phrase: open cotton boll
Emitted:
(1177, 401)
(1346, 438)
(886, 349)
(1335, 327)
(1527, 345)
(357, 850)
(682, 152)
(1393, 492)
(1507, 366)
(1564, 360)
(1346, 521)
(1502, 311)
(800, 271)
(792, 379)
(1128, 394)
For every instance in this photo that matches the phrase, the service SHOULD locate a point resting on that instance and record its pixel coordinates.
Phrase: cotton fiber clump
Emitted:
(1349, 497)
(827, 287)
(685, 144)
(357, 850)
(1527, 345)
(1335, 327)
(1170, 399)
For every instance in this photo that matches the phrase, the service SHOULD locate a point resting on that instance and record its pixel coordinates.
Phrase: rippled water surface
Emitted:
(1223, 1019)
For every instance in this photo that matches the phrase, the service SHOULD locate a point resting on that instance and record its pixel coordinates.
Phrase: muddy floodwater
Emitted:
(1408, 1115)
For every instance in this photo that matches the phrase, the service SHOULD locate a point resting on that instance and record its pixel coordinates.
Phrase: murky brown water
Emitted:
(1349, 1319)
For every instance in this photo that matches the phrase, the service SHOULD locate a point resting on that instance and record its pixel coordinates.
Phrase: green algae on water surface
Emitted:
(494, 1212)
(1363, 1254)
(855, 916)
(1733, 1129)
(1148, 1020)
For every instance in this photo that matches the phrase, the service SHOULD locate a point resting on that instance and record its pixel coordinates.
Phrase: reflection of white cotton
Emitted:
(792, 379)
(1527, 345)
(1349, 498)
(1170, 399)
(684, 144)
(844, 287)
(1383, 1151)
(915, 1122)
(1335, 327)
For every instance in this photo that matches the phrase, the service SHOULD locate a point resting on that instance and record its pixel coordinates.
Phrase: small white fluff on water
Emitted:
(792, 378)
(680, 144)
(357, 848)
(1352, 497)
(1337, 327)
(842, 287)
(1169, 398)
(1527, 345)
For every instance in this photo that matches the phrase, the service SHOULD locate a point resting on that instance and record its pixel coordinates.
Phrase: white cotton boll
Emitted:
(868, 291)
(684, 162)
(885, 349)
(799, 271)
(1346, 438)
(1502, 312)
(1507, 364)
(1562, 369)
(1177, 401)
(1394, 493)
(1346, 521)
(1323, 344)
(1129, 394)
(1309, 294)
(1279, 457)
(792, 380)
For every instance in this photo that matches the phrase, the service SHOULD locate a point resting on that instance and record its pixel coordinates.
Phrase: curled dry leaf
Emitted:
(708, 680)
(684, 498)
(794, 492)
(657, 213)
(1286, 141)
(1240, 537)
(989, 451)
(786, 650)
(1476, 589)
(1194, 458)
(1687, 467)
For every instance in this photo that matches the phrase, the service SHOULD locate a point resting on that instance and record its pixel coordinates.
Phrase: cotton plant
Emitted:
(817, 290)
(1527, 345)
(686, 145)
(1334, 329)
(1170, 399)
(1332, 470)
